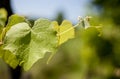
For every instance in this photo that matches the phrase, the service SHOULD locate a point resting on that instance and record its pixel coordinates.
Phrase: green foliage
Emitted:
(23, 45)
(30, 44)
(14, 19)
(3, 17)
(90, 51)
(8, 57)
(64, 32)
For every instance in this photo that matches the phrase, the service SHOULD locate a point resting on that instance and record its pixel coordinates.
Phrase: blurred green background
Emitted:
(93, 54)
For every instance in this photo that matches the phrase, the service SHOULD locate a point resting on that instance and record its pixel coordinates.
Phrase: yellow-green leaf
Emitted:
(64, 32)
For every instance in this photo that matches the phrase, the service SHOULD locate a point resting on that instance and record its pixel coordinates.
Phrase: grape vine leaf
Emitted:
(64, 32)
(3, 17)
(31, 44)
(14, 19)
(8, 57)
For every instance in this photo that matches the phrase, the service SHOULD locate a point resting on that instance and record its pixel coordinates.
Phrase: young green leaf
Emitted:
(64, 32)
(31, 44)
(14, 19)
(3, 17)
(8, 57)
